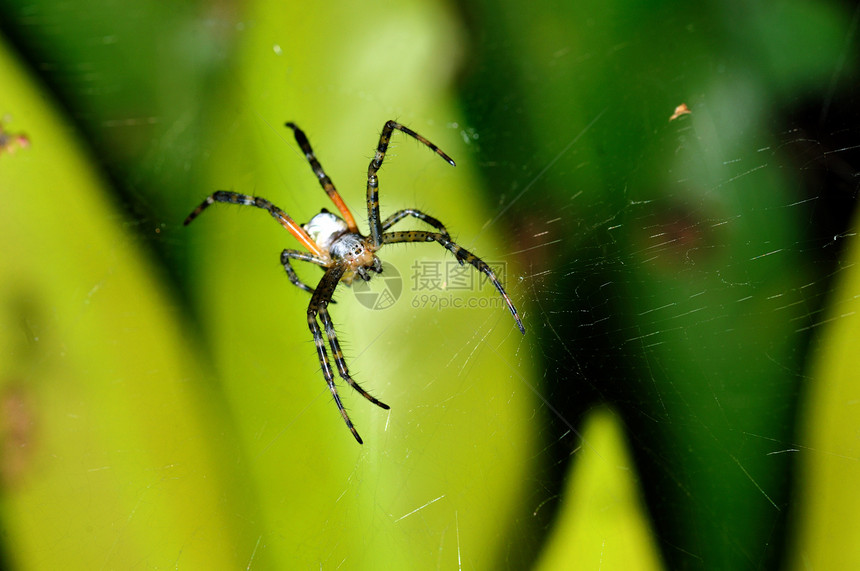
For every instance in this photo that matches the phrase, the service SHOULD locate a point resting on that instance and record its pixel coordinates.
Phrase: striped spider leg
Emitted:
(319, 307)
(377, 229)
(336, 245)
(461, 254)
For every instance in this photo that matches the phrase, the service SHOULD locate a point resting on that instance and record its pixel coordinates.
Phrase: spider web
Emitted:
(687, 295)
(688, 341)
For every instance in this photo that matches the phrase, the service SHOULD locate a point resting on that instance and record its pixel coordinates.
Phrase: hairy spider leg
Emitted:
(376, 228)
(288, 255)
(401, 214)
(282, 217)
(340, 361)
(325, 181)
(317, 306)
(462, 255)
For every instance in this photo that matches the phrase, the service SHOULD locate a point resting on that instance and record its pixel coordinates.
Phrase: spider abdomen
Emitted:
(325, 228)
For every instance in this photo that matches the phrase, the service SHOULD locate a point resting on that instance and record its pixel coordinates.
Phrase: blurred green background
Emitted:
(683, 397)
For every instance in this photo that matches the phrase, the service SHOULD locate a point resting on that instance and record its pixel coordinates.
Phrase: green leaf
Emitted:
(108, 455)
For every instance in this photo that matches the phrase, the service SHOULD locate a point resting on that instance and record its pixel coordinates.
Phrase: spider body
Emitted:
(331, 233)
(336, 245)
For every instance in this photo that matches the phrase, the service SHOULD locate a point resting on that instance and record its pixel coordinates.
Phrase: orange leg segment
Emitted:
(282, 217)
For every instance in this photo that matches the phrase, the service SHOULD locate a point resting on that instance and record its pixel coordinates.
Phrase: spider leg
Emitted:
(246, 200)
(325, 181)
(461, 254)
(320, 298)
(319, 301)
(339, 360)
(401, 214)
(288, 255)
(376, 228)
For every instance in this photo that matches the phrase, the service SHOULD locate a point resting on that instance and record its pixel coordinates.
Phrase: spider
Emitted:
(336, 245)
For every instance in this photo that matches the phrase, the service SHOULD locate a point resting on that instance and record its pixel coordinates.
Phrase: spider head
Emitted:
(354, 253)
